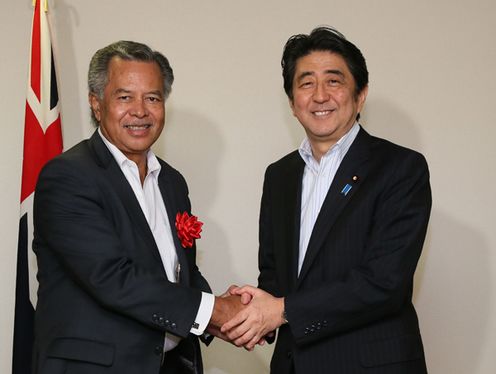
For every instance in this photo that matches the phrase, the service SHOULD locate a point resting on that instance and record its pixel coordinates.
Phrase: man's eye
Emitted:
(124, 97)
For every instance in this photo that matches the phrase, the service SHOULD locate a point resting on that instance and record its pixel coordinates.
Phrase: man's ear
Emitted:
(291, 105)
(362, 96)
(95, 105)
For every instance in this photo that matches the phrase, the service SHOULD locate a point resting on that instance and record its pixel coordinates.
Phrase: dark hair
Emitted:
(323, 39)
(129, 51)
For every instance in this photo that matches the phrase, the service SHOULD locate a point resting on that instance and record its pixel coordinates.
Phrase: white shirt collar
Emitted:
(152, 162)
(342, 145)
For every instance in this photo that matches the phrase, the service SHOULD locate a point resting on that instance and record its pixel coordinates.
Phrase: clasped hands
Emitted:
(245, 316)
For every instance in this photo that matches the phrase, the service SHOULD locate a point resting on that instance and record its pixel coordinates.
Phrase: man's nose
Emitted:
(321, 94)
(139, 108)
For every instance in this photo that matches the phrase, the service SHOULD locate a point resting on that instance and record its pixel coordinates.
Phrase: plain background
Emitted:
(432, 88)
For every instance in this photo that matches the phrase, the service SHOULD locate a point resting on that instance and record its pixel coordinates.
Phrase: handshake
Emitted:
(246, 316)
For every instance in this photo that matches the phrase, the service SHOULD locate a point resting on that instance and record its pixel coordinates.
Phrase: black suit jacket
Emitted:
(350, 309)
(104, 300)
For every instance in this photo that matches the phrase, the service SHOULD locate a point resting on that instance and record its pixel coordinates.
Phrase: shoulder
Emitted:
(68, 176)
(170, 173)
(392, 165)
(390, 154)
(292, 161)
(77, 159)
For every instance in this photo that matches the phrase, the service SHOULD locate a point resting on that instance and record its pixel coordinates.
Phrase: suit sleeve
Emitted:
(381, 284)
(72, 224)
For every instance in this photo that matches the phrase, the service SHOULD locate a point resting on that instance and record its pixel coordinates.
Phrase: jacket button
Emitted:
(173, 325)
(155, 318)
(161, 320)
(159, 350)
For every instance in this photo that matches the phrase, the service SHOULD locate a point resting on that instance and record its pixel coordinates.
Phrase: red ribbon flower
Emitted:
(188, 228)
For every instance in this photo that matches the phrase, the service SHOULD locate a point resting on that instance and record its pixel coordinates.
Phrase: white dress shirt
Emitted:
(155, 211)
(317, 178)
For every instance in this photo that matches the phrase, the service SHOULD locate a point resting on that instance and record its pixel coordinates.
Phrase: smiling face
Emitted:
(131, 113)
(324, 99)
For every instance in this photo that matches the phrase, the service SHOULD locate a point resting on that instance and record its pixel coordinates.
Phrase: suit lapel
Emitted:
(124, 191)
(347, 181)
(167, 190)
(291, 218)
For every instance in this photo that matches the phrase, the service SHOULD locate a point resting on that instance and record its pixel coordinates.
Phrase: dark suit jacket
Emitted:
(350, 309)
(104, 301)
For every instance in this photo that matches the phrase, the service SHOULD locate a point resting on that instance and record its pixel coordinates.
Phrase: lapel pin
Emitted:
(355, 178)
(346, 189)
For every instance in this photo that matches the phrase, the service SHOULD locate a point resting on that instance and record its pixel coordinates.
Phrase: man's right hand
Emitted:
(225, 308)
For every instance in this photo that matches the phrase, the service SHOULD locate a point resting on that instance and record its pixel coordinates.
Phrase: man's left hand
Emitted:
(260, 317)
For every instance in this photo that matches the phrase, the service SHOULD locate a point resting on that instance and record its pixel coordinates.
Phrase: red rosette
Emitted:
(188, 228)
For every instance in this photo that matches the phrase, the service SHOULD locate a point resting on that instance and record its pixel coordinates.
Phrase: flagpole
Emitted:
(45, 5)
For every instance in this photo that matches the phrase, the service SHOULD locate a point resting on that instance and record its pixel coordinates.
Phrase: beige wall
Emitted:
(432, 82)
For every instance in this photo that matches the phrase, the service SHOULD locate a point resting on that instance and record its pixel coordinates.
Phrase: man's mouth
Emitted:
(136, 127)
(321, 113)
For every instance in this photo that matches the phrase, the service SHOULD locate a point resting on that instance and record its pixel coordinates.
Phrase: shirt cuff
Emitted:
(204, 313)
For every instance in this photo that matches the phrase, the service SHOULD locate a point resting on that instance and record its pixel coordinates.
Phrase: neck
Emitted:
(143, 169)
(320, 149)
(142, 162)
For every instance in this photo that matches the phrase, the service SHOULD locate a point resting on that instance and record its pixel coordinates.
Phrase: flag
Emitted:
(42, 141)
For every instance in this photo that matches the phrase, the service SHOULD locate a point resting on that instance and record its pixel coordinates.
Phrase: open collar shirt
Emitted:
(317, 178)
(154, 209)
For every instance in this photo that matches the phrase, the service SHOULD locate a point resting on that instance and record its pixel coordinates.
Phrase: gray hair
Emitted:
(129, 51)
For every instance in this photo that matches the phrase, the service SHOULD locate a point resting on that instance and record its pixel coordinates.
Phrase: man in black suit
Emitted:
(342, 225)
(119, 289)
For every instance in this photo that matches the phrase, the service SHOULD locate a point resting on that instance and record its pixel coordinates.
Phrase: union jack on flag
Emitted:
(42, 141)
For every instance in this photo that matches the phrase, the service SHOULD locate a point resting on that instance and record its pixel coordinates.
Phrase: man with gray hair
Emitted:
(119, 289)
